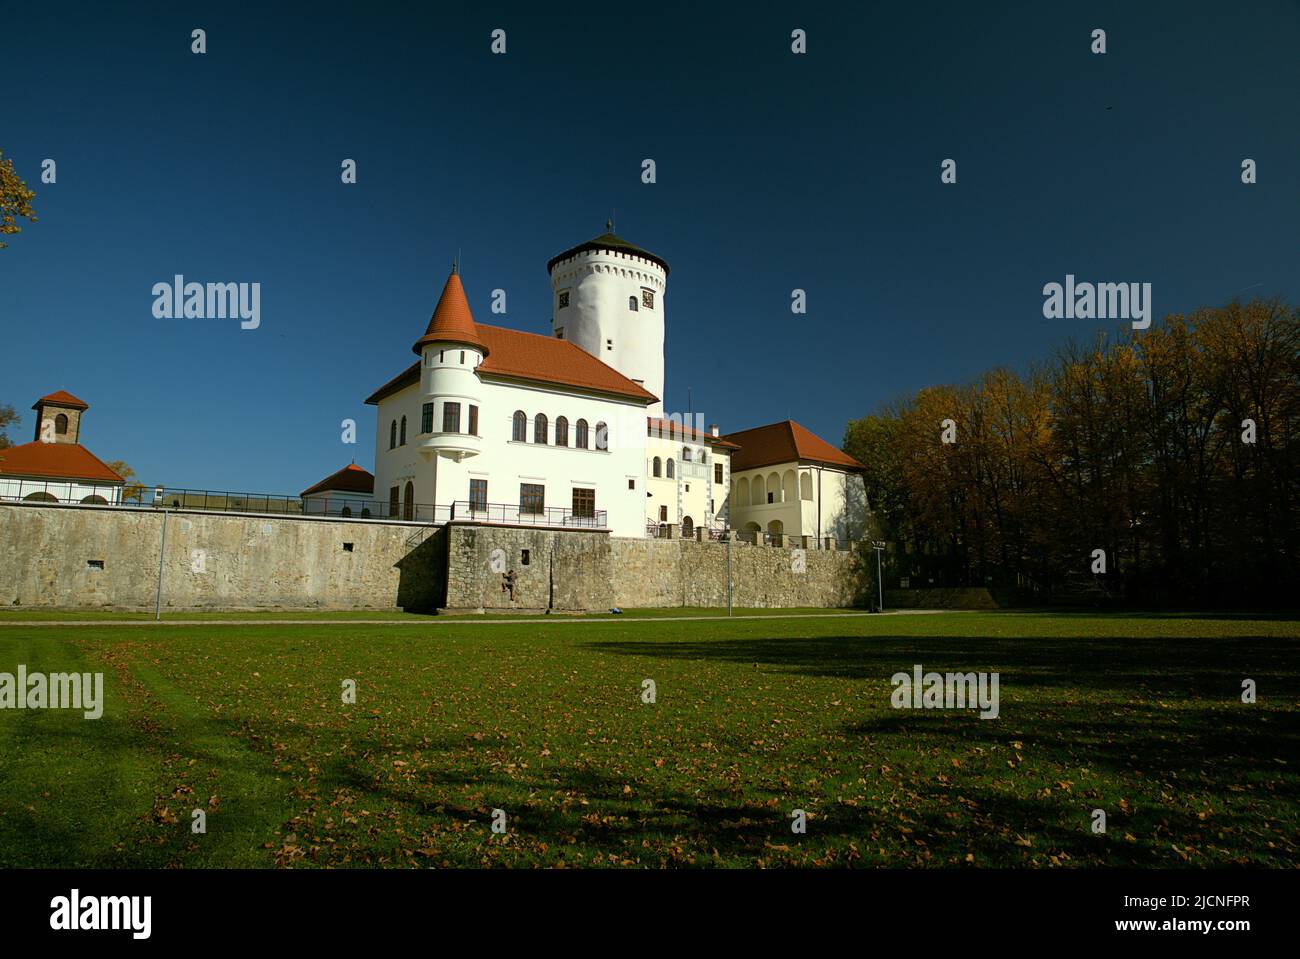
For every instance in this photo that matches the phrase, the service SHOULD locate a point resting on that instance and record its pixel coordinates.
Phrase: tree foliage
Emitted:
(1136, 445)
(15, 199)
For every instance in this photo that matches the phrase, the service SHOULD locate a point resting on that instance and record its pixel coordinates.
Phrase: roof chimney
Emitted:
(713, 429)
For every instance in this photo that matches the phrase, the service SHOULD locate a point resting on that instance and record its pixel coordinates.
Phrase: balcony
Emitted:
(511, 514)
(456, 446)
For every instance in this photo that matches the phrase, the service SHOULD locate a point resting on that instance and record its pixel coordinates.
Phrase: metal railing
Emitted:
(514, 514)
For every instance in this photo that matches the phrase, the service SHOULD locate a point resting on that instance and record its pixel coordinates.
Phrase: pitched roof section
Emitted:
(607, 241)
(514, 355)
(351, 479)
(672, 430)
(785, 442)
(61, 398)
(452, 321)
(55, 461)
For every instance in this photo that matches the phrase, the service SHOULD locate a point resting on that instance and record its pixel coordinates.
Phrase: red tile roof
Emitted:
(351, 479)
(61, 398)
(785, 442)
(452, 321)
(672, 430)
(55, 461)
(515, 355)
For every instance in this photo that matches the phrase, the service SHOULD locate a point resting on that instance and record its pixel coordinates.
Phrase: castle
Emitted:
(495, 425)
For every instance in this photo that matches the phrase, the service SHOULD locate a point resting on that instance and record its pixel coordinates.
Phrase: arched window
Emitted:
(805, 485)
(408, 504)
(561, 432)
(519, 429)
(345, 512)
(365, 513)
(758, 497)
(40, 496)
(741, 497)
(672, 470)
(602, 436)
(96, 499)
(773, 488)
(539, 428)
(631, 304)
(392, 435)
(688, 526)
(580, 435)
(789, 487)
(402, 441)
(686, 454)
(61, 424)
(657, 468)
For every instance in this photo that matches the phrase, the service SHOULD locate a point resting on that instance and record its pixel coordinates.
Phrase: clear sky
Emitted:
(775, 171)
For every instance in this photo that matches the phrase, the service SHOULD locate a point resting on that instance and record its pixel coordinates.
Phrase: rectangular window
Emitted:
(426, 418)
(564, 299)
(478, 495)
(392, 501)
(532, 498)
(648, 299)
(584, 503)
(473, 420)
(717, 472)
(451, 417)
(631, 484)
(663, 514)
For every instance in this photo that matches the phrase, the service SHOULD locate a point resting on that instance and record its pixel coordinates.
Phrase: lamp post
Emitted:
(879, 547)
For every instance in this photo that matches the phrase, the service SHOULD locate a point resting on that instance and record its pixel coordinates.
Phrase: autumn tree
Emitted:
(15, 199)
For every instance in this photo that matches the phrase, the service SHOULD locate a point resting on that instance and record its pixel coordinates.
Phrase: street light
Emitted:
(879, 547)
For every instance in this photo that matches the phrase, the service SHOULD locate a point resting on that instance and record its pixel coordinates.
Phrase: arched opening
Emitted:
(402, 441)
(741, 496)
(686, 454)
(365, 513)
(580, 435)
(561, 432)
(789, 487)
(519, 428)
(392, 435)
(540, 425)
(95, 499)
(672, 469)
(773, 488)
(632, 304)
(688, 526)
(40, 496)
(758, 498)
(602, 436)
(657, 467)
(345, 512)
(61, 424)
(775, 529)
(408, 502)
(805, 485)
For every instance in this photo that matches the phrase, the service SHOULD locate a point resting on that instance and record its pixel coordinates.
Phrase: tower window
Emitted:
(426, 418)
(441, 355)
(61, 424)
(631, 303)
(564, 299)
(648, 299)
(559, 333)
(609, 344)
(451, 417)
(462, 357)
(473, 420)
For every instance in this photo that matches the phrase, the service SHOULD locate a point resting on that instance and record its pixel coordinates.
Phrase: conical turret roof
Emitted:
(452, 321)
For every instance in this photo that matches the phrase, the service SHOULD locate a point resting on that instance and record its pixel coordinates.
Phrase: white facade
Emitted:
(63, 490)
(799, 499)
(505, 464)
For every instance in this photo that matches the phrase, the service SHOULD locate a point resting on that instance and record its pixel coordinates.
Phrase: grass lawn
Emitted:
(1138, 715)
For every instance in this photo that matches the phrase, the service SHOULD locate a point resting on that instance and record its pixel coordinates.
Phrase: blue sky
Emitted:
(775, 171)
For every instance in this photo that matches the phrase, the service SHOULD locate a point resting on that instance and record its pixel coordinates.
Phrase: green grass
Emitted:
(1137, 715)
